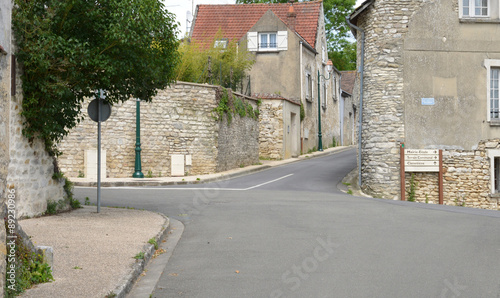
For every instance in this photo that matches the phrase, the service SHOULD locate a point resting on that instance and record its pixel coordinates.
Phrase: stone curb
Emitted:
(127, 282)
(165, 183)
(220, 177)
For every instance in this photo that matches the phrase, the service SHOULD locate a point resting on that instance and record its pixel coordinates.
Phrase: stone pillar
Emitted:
(385, 24)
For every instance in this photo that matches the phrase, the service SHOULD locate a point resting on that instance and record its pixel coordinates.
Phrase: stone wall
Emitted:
(25, 167)
(238, 141)
(30, 167)
(179, 120)
(271, 129)
(466, 179)
(385, 24)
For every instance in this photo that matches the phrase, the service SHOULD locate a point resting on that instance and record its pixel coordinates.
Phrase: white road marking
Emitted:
(259, 185)
(187, 188)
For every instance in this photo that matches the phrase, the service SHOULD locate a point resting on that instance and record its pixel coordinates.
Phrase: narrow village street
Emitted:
(289, 232)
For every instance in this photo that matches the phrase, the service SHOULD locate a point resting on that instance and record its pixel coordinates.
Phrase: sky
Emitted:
(180, 8)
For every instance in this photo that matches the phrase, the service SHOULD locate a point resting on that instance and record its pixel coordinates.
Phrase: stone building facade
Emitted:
(180, 122)
(427, 68)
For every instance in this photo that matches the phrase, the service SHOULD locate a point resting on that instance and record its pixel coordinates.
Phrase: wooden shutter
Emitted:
(252, 41)
(282, 40)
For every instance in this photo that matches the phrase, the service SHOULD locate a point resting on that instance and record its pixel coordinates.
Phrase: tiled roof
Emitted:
(347, 81)
(235, 20)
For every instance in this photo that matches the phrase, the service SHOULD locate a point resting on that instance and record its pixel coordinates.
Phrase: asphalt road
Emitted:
(289, 232)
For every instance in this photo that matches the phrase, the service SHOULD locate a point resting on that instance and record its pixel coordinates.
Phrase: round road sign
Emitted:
(105, 110)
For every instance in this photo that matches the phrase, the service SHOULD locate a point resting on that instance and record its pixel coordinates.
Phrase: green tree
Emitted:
(337, 30)
(70, 49)
(345, 58)
(227, 66)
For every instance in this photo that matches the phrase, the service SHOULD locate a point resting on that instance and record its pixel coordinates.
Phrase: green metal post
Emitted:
(138, 173)
(320, 142)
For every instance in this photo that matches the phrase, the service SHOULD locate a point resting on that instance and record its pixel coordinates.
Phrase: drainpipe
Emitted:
(301, 95)
(361, 70)
(341, 113)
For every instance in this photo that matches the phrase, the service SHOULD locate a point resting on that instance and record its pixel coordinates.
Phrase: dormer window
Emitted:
(221, 43)
(267, 41)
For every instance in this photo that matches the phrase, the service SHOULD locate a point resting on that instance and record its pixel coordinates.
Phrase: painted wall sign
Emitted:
(428, 101)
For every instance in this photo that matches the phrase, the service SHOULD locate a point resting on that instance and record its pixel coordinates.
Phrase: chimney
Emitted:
(291, 16)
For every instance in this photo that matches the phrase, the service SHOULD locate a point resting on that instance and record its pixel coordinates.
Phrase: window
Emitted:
(494, 93)
(309, 87)
(324, 95)
(494, 155)
(267, 41)
(221, 43)
(492, 88)
(496, 172)
(474, 8)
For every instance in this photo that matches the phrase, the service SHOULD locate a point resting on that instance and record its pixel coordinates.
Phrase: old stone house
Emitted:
(430, 81)
(290, 49)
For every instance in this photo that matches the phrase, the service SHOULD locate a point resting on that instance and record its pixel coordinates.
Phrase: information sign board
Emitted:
(421, 160)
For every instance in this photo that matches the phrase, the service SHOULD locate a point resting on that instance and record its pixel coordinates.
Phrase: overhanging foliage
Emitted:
(69, 49)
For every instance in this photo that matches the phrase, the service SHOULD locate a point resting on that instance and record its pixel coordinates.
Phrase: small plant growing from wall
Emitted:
(230, 105)
(412, 190)
(31, 268)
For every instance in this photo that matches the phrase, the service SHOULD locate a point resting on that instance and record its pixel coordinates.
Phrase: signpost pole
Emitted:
(440, 177)
(99, 151)
(402, 155)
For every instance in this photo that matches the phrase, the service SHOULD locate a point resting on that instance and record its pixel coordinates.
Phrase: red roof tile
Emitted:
(235, 20)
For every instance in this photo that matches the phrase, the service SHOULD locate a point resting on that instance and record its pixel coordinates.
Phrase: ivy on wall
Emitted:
(69, 49)
(230, 105)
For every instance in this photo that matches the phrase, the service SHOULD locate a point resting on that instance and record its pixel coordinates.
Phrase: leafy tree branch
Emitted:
(70, 49)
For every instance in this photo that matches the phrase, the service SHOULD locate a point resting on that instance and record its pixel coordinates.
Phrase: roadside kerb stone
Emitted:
(127, 282)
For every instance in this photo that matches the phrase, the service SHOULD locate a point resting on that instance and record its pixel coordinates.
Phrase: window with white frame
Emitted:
(308, 86)
(492, 86)
(324, 94)
(494, 71)
(268, 41)
(474, 8)
(221, 43)
(494, 155)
